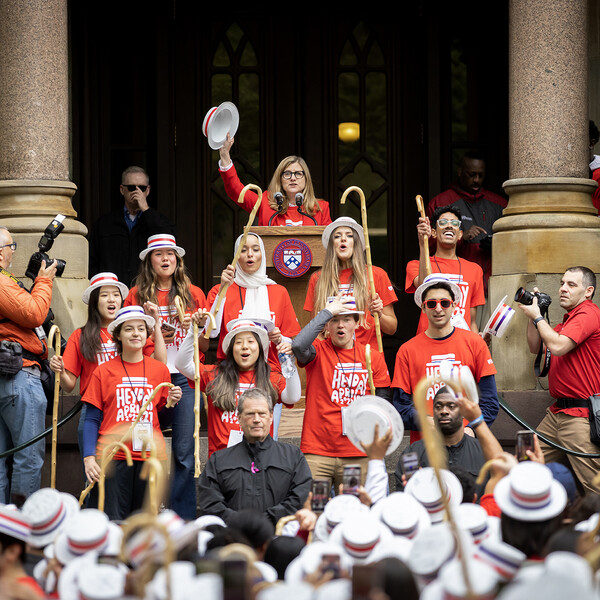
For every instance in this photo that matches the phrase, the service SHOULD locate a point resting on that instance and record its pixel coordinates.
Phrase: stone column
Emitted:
(550, 222)
(34, 144)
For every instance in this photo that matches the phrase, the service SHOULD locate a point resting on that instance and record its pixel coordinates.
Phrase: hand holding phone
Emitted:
(524, 443)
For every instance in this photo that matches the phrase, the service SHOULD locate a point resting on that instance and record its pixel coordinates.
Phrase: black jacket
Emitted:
(113, 248)
(231, 481)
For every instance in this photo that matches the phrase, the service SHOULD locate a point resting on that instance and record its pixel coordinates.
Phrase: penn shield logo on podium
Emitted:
(292, 258)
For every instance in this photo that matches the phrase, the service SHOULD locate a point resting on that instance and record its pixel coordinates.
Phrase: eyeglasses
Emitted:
(132, 188)
(453, 222)
(12, 246)
(444, 303)
(296, 174)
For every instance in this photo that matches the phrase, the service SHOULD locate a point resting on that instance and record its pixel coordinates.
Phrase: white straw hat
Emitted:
(102, 279)
(161, 240)
(342, 222)
(130, 313)
(259, 326)
(434, 279)
(218, 122)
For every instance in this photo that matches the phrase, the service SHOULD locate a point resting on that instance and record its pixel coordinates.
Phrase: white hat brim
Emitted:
(342, 222)
(219, 122)
(262, 334)
(420, 292)
(131, 317)
(100, 284)
(362, 415)
(558, 501)
(501, 327)
(178, 249)
(453, 486)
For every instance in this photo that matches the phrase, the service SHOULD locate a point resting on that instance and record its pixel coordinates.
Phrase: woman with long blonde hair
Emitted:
(345, 270)
(290, 198)
(161, 278)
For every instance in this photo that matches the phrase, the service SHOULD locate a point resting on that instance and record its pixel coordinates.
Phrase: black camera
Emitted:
(44, 245)
(525, 297)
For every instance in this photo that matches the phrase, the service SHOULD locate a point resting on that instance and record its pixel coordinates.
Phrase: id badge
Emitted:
(235, 437)
(141, 432)
(344, 410)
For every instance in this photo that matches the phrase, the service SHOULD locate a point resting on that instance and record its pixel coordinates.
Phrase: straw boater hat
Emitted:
(451, 582)
(503, 558)
(433, 279)
(403, 514)
(500, 318)
(350, 306)
(102, 279)
(424, 487)
(218, 122)
(259, 326)
(310, 558)
(49, 511)
(359, 536)
(342, 222)
(161, 240)
(131, 313)
(530, 493)
(367, 411)
(462, 375)
(87, 531)
(334, 512)
(14, 523)
(102, 582)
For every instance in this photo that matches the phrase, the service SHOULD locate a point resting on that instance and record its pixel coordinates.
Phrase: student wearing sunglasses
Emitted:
(445, 230)
(118, 237)
(438, 297)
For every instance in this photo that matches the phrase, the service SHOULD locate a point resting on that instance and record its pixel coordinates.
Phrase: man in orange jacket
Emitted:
(22, 399)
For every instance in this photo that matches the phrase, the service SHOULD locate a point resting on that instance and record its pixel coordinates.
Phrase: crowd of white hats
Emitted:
(463, 559)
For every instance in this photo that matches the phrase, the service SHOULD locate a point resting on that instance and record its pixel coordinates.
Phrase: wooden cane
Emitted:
(363, 214)
(242, 243)
(127, 435)
(437, 459)
(105, 465)
(369, 369)
(54, 339)
(153, 472)
(178, 302)
(146, 572)
(421, 210)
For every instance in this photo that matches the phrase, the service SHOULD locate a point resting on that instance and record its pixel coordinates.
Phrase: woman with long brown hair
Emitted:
(161, 278)
(345, 270)
(245, 366)
(290, 198)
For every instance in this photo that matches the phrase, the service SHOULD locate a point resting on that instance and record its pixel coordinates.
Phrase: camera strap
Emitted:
(547, 354)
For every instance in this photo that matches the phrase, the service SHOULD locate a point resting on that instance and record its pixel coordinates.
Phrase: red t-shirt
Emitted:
(466, 274)
(383, 286)
(168, 314)
(334, 379)
(119, 389)
(577, 373)
(220, 422)
(421, 356)
(77, 364)
(282, 314)
(233, 188)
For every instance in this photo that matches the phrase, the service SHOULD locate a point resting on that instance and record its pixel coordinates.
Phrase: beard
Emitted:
(450, 427)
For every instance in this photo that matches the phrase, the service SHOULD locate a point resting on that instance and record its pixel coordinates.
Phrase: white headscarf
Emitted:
(256, 304)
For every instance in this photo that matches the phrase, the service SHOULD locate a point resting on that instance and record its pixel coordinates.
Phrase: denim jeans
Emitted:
(183, 484)
(22, 416)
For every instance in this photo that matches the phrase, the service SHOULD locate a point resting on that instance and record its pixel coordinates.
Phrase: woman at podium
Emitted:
(345, 270)
(289, 199)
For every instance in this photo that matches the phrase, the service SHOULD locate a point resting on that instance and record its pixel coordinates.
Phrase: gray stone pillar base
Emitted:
(549, 225)
(26, 209)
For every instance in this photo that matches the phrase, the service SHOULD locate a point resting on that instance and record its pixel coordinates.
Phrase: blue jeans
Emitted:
(22, 416)
(183, 484)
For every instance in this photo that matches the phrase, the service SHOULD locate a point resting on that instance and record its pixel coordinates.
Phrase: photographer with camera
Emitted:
(574, 374)
(22, 399)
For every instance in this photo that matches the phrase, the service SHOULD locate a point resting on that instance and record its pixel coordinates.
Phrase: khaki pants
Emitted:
(332, 468)
(572, 433)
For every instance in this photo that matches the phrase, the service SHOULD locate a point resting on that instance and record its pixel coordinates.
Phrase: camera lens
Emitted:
(523, 296)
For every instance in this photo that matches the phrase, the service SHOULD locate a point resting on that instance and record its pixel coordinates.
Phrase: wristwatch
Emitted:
(537, 320)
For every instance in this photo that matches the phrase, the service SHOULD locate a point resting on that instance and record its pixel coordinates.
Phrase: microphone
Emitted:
(279, 199)
(299, 201)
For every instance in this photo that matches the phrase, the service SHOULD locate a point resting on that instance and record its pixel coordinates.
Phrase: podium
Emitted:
(296, 286)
